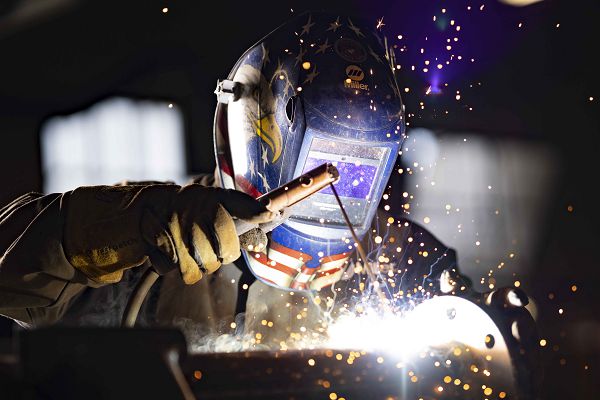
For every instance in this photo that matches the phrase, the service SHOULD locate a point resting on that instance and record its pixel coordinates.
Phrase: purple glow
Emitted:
(355, 180)
(435, 85)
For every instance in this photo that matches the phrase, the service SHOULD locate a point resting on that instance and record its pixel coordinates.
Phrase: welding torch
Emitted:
(277, 200)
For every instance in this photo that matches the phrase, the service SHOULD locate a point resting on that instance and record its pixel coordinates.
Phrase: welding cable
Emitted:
(137, 297)
(249, 234)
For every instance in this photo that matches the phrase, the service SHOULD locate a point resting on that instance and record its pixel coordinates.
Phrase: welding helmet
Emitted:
(319, 88)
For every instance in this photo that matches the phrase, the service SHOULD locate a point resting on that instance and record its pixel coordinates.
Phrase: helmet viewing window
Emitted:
(360, 166)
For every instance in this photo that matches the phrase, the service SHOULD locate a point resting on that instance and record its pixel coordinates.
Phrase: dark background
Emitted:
(60, 56)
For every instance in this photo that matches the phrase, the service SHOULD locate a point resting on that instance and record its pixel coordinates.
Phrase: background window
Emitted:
(114, 140)
(484, 197)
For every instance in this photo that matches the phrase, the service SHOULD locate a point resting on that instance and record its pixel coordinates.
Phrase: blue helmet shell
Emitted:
(319, 76)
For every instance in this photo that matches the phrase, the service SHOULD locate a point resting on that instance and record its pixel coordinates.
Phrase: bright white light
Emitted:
(436, 322)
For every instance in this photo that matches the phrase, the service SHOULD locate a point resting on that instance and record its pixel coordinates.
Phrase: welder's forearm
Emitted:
(101, 235)
(37, 282)
(35, 316)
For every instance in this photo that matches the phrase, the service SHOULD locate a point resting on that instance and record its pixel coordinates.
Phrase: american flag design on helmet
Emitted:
(285, 267)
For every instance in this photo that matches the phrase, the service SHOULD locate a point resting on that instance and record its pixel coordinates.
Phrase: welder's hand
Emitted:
(111, 228)
(200, 234)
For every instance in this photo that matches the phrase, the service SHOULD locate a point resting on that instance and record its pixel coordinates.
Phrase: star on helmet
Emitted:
(263, 156)
(278, 69)
(323, 47)
(282, 74)
(307, 26)
(334, 25)
(390, 55)
(378, 37)
(310, 77)
(252, 168)
(355, 29)
(300, 56)
(375, 55)
(265, 183)
(265, 56)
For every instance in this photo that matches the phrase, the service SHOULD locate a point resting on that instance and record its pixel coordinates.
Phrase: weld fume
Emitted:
(202, 340)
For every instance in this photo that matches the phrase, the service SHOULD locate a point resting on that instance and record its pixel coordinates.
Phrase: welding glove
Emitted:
(109, 229)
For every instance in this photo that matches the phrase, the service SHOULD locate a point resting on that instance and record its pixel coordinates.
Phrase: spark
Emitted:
(380, 23)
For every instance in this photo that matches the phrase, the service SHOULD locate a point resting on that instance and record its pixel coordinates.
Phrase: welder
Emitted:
(319, 88)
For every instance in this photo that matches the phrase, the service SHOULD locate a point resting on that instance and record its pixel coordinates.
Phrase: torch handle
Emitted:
(300, 188)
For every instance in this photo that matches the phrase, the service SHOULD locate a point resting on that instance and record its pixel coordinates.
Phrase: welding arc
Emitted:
(361, 250)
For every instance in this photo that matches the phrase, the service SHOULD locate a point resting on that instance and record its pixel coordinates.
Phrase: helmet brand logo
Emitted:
(350, 50)
(355, 74)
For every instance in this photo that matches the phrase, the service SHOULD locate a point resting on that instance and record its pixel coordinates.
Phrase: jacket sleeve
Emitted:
(37, 282)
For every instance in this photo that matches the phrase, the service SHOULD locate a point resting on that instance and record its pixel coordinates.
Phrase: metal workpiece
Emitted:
(507, 306)
(446, 347)
(458, 347)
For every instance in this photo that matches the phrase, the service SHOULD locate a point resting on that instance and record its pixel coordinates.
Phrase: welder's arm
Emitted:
(54, 246)
(37, 282)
